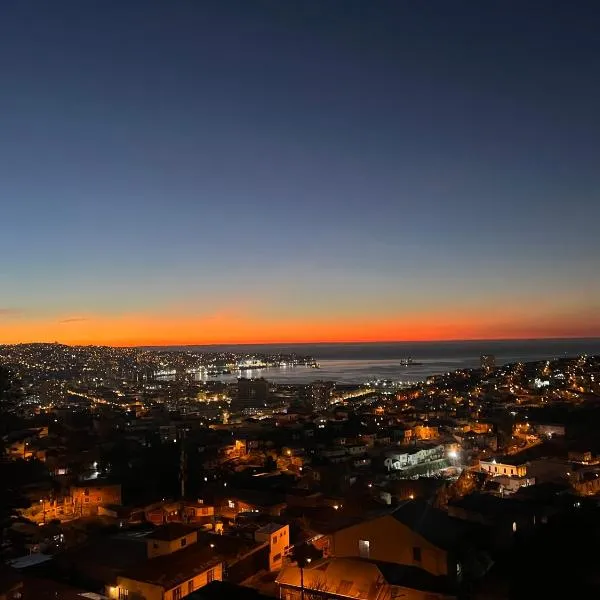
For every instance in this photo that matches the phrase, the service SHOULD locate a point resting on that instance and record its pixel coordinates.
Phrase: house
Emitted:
(278, 538)
(415, 534)
(410, 457)
(183, 559)
(87, 498)
(509, 484)
(170, 538)
(182, 511)
(361, 578)
(243, 501)
(170, 576)
(503, 466)
(503, 516)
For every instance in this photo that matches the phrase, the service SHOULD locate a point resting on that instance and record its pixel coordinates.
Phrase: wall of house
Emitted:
(160, 547)
(87, 498)
(503, 469)
(392, 541)
(212, 574)
(135, 590)
(279, 545)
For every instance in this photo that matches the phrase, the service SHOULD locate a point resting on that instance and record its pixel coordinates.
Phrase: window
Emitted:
(99, 498)
(512, 471)
(505, 471)
(183, 542)
(274, 539)
(210, 576)
(86, 499)
(416, 554)
(364, 548)
(190, 586)
(177, 593)
(86, 492)
(123, 593)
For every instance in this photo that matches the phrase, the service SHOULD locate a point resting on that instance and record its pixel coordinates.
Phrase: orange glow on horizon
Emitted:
(169, 330)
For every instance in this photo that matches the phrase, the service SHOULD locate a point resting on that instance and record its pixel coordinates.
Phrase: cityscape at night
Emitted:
(299, 300)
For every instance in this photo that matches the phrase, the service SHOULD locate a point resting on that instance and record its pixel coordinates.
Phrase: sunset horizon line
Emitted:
(305, 343)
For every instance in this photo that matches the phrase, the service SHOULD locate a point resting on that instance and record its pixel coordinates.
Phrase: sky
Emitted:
(220, 171)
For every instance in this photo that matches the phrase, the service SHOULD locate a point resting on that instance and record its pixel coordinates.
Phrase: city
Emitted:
(125, 484)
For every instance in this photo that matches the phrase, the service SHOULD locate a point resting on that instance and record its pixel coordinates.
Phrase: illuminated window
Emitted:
(514, 526)
(364, 548)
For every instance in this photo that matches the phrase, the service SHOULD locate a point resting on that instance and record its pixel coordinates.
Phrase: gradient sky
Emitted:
(208, 171)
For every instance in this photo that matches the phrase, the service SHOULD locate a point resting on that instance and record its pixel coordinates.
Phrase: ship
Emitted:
(409, 362)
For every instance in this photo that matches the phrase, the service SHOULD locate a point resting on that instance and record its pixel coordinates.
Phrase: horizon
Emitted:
(344, 343)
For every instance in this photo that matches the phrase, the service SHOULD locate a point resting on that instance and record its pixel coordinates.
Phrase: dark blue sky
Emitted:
(304, 159)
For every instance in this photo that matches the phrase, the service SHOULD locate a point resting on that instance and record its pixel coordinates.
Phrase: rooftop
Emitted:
(171, 569)
(270, 528)
(357, 577)
(170, 532)
(435, 525)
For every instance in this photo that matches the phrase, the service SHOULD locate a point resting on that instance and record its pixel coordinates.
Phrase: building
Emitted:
(170, 538)
(415, 535)
(360, 578)
(251, 394)
(182, 559)
(251, 501)
(425, 432)
(487, 362)
(411, 457)
(278, 538)
(170, 576)
(318, 394)
(503, 466)
(87, 498)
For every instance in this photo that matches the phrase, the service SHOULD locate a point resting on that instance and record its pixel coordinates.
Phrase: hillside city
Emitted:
(148, 474)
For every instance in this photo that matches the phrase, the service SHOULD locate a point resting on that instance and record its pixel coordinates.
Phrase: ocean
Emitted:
(358, 363)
